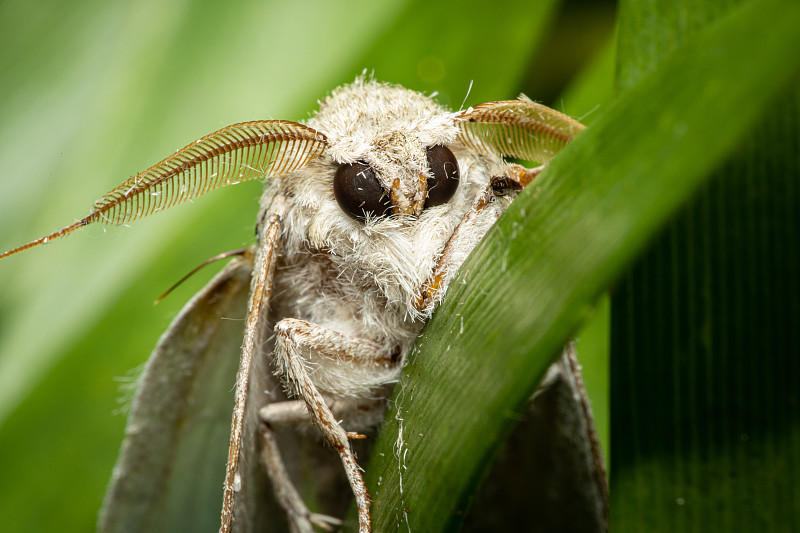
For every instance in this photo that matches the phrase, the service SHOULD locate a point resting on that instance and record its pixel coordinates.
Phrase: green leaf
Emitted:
(532, 281)
(705, 404)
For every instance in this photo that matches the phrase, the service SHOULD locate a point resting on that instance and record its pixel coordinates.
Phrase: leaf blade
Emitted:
(613, 177)
(705, 424)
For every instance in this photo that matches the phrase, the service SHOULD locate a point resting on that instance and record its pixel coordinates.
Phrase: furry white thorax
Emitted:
(363, 278)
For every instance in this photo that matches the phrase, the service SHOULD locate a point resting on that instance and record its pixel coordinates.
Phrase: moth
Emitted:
(368, 210)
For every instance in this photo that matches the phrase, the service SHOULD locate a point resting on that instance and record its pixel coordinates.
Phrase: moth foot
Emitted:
(325, 522)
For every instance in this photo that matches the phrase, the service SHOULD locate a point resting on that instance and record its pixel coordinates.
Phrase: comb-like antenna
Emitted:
(517, 128)
(240, 152)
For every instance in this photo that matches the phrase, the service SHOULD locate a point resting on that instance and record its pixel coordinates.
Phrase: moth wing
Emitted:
(169, 472)
(550, 476)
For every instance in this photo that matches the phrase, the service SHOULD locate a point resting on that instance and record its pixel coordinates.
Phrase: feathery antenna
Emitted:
(237, 153)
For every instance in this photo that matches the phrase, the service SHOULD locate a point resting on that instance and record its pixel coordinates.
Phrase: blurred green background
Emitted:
(704, 368)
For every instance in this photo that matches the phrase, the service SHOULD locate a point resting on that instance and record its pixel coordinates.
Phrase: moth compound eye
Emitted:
(444, 168)
(359, 193)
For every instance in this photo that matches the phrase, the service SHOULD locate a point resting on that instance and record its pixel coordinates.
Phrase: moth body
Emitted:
(349, 292)
(364, 278)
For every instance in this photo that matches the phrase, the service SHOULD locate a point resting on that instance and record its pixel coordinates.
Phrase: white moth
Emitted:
(368, 211)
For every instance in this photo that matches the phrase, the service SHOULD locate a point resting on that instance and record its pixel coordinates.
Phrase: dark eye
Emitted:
(444, 168)
(359, 193)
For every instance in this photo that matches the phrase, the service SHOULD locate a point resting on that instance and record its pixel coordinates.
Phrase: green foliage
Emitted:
(705, 403)
(702, 378)
(561, 245)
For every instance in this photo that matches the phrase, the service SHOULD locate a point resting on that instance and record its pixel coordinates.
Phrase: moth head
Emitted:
(390, 148)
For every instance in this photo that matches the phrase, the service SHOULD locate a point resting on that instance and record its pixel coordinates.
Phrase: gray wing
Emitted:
(550, 476)
(170, 470)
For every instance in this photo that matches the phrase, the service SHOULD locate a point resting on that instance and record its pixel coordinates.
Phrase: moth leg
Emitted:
(300, 518)
(295, 413)
(299, 345)
(488, 205)
(291, 413)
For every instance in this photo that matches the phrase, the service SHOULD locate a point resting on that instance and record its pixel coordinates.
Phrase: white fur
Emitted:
(364, 278)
